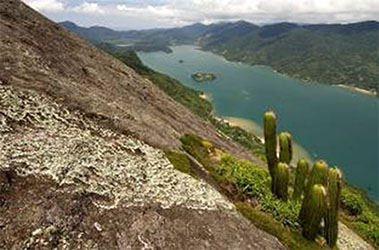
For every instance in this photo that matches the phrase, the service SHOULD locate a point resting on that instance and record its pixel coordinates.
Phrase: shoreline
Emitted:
(250, 126)
(350, 88)
(206, 96)
(358, 90)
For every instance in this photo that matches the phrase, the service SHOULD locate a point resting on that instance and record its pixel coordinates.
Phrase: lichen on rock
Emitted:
(41, 137)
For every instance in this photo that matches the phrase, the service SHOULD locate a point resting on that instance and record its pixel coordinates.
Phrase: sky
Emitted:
(144, 14)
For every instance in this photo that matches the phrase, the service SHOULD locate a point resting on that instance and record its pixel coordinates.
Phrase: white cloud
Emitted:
(259, 11)
(164, 13)
(88, 8)
(46, 5)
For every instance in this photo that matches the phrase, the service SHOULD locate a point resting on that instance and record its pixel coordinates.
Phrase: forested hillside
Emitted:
(334, 54)
(326, 53)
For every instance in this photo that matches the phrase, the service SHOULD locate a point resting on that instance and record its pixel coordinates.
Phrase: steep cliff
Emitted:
(81, 165)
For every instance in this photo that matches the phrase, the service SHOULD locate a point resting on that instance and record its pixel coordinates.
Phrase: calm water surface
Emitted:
(329, 122)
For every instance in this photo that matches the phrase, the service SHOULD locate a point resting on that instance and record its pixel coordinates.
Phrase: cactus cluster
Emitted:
(313, 210)
(321, 186)
(319, 175)
(278, 167)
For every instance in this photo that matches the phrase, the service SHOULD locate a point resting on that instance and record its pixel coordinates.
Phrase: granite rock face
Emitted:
(81, 160)
(67, 182)
(38, 54)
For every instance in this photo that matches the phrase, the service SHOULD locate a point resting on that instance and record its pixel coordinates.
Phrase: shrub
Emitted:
(352, 203)
(254, 181)
(363, 214)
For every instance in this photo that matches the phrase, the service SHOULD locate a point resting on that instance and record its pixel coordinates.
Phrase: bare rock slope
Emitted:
(80, 166)
(66, 182)
(38, 54)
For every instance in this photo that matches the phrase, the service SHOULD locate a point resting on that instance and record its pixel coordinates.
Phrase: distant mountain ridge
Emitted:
(327, 53)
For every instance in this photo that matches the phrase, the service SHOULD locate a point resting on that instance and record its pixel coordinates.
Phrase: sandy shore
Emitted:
(250, 126)
(358, 90)
(206, 96)
(245, 124)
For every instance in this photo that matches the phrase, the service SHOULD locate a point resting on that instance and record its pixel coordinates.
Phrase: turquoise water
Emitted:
(329, 122)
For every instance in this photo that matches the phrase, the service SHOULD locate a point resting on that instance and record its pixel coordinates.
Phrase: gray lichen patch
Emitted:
(40, 137)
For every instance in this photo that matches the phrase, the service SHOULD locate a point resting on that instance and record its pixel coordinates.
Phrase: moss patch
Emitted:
(194, 145)
(181, 163)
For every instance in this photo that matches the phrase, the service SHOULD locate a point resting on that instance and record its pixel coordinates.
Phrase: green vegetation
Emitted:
(329, 54)
(181, 163)
(332, 213)
(251, 182)
(278, 167)
(186, 96)
(195, 146)
(292, 239)
(285, 143)
(280, 219)
(352, 203)
(203, 77)
(254, 182)
(241, 136)
(319, 175)
(325, 53)
(360, 214)
(283, 217)
(283, 173)
(302, 171)
(269, 125)
(315, 209)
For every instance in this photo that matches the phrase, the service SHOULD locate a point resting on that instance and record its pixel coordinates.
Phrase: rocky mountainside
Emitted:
(40, 55)
(81, 165)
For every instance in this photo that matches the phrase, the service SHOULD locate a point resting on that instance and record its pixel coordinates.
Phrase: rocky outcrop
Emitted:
(66, 182)
(38, 54)
(80, 159)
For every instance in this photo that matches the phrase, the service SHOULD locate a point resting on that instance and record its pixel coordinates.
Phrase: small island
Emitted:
(203, 77)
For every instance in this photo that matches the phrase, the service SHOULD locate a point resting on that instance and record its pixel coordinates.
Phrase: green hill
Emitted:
(326, 53)
(333, 54)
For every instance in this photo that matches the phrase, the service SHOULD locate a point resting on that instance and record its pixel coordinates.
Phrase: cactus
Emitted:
(270, 145)
(334, 194)
(285, 144)
(316, 207)
(319, 175)
(302, 172)
(282, 175)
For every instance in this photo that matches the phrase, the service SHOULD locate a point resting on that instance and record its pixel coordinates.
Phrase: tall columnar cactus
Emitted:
(319, 175)
(270, 145)
(302, 172)
(316, 205)
(283, 173)
(334, 194)
(285, 144)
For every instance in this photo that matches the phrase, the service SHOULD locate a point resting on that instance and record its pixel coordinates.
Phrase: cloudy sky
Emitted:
(142, 14)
